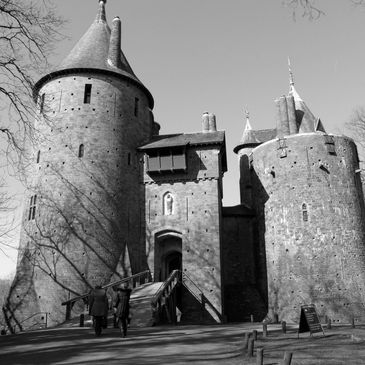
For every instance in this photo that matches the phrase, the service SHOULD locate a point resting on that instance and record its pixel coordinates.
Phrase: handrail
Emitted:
(124, 280)
(36, 314)
(202, 299)
(174, 278)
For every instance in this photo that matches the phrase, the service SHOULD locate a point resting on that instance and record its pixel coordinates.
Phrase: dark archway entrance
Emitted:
(168, 256)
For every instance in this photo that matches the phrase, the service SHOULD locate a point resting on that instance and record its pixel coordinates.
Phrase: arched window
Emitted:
(81, 150)
(38, 156)
(168, 204)
(305, 212)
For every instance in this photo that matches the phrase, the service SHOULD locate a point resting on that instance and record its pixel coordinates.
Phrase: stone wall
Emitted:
(195, 218)
(310, 206)
(89, 204)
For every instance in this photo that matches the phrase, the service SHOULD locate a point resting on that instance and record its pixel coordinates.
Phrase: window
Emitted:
(305, 212)
(32, 207)
(166, 160)
(81, 150)
(87, 94)
(41, 104)
(136, 102)
(129, 159)
(38, 156)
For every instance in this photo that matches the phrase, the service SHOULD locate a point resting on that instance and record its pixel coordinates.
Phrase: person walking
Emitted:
(98, 307)
(121, 307)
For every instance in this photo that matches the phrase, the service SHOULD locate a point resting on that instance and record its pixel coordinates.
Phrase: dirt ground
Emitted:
(218, 344)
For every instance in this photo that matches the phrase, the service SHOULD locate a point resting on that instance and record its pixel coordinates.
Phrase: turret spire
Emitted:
(291, 78)
(248, 125)
(101, 17)
(292, 90)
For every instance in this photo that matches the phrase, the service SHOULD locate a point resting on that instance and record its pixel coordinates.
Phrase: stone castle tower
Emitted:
(305, 188)
(84, 202)
(109, 196)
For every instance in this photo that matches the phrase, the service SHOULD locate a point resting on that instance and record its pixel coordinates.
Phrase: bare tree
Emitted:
(356, 126)
(309, 8)
(28, 29)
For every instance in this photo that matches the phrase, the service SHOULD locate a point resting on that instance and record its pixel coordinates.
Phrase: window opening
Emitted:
(305, 212)
(129, 159)
(81, 150)
(38, 156)
(136, 105)
(87, 94)
(32, 207)
(41, 106)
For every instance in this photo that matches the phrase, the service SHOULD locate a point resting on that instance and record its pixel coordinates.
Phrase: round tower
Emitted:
(84, 205)
(244, 149)
(314, 225)
(310, 207)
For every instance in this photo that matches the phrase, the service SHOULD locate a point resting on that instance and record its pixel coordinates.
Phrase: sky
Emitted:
(228, 56)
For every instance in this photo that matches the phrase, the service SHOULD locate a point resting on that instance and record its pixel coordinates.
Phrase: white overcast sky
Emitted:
(225, 56)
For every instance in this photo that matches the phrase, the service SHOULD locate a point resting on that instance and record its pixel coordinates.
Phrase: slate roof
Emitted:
(191, 139)
(255, 138)
(183, 139)
(91, 53)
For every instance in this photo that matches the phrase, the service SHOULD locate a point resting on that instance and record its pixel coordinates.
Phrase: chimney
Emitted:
(205, 122)
(114, 45)
(212, 123)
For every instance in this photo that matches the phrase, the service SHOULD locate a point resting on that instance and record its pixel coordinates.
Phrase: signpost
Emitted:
(309, 320)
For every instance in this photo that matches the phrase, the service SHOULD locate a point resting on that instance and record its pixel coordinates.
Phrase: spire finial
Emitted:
(248, 125)
(101, 13)
(291, 78)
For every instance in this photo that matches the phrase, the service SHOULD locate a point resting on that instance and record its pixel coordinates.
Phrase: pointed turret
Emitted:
(306, 122)
(248, 138)
(97, 51)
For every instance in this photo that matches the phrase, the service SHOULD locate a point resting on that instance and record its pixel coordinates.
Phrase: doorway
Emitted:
(168, 256)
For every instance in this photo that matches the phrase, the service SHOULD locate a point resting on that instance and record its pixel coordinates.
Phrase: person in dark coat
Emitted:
(98, 307)
(122, 307)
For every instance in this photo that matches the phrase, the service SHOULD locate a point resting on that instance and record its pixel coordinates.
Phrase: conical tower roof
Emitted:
(306, 120)
(91, 52)
(248, 137)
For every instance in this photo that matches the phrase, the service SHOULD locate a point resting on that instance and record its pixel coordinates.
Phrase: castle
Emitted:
(109, 196)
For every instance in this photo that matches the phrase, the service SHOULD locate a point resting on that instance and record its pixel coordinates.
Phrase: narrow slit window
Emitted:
(136, 106)
(41, 104)
(32, 207)
(87, 94)
(38, 156)
(81, 150)
(305, 212)
(129, 159)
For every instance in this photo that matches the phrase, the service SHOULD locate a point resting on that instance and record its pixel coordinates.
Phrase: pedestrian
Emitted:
(121, 307)
(98, 307)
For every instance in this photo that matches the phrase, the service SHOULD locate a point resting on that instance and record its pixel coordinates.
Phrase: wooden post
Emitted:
(283, 326)
(245, 340)
(329, 324)
(251, 318)
(254, 335)
(68, 311)
(260, 356)
(264, 330)
(287, 358)
(82, 319)
(251, 345)
(353, 322)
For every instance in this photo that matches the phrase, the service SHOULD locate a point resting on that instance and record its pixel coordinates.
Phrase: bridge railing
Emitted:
(133, 281)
